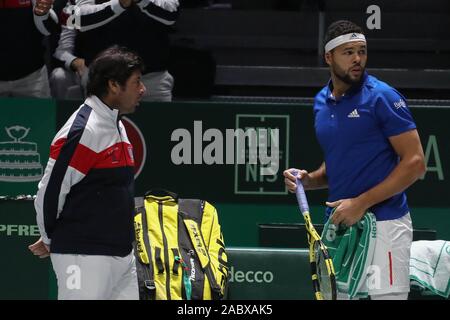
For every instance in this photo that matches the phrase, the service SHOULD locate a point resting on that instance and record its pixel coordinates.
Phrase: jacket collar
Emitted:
(101, 108)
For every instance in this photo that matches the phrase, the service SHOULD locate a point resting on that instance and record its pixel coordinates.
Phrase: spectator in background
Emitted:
(23, 26)
(142, 26)
(65, 77)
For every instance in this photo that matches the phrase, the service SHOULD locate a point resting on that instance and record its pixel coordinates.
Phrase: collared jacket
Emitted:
(22, 35)
(85, 200)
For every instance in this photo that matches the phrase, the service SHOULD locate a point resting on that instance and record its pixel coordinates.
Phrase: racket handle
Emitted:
(300, 193)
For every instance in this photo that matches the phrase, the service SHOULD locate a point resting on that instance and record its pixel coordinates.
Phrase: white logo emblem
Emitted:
(130, 153)
(19, 160)
(399, 104)
(353, 114)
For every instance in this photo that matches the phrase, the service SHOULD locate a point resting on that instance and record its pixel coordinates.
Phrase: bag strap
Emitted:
(193, 208)
(149, 281)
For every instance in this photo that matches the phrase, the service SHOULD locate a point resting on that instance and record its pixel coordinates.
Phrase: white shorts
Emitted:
(390, 264)
(94, 277)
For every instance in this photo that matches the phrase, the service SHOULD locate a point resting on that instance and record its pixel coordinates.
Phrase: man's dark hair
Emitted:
(114, 63)
(339, 28)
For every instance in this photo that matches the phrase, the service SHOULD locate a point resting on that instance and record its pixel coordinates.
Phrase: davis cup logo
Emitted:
(138, 142)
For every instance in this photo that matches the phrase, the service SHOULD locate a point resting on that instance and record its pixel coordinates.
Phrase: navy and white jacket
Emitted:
(22, 35)
(90, 26)
(85, 200)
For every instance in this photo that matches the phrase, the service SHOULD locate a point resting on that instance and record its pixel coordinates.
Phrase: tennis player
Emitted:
(85, 203)
(372, 154)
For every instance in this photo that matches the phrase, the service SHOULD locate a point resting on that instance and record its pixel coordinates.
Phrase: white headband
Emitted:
(349, 37)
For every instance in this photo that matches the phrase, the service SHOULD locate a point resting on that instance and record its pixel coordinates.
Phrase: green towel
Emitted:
(351, 249)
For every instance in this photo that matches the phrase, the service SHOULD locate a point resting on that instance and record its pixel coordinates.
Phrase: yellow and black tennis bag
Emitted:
(179, 248)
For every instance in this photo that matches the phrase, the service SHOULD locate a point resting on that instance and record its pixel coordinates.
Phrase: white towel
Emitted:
(429, 266)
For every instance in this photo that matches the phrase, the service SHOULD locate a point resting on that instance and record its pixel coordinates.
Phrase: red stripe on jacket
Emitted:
(84, 158)
(118, 155)
(55, 148)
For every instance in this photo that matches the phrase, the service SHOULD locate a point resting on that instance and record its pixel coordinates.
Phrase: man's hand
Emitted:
(78, 65)
(348, 211)
(42, 7)
(125, 3)
(40, 249)
(291, 181)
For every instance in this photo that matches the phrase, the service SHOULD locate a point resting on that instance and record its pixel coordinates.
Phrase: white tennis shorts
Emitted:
(390, 265)
(94, 277)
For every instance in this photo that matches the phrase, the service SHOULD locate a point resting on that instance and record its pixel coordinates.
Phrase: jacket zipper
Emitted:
(121, 144)
(166, 250)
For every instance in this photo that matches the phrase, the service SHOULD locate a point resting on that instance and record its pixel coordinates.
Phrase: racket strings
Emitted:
(323, 275)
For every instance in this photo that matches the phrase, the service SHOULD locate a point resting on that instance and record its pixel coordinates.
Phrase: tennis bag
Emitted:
(179, 248)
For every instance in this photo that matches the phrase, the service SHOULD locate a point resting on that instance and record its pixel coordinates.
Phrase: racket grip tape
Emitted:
(300, 193)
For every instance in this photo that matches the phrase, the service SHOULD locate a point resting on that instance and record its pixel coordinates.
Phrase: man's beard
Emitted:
(346, 77)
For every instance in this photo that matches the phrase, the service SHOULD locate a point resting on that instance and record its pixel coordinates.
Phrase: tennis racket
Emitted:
(322, 270)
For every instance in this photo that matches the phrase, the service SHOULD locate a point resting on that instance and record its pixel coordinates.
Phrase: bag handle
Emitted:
(159, 192)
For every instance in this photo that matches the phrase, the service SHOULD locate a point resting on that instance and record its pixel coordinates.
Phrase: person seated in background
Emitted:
(68, 70)
(56, 63)
(24, 25)
(142, 26)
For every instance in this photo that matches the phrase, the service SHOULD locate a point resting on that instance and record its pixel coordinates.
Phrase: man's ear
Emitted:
(113, 86)
(328, 57)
